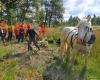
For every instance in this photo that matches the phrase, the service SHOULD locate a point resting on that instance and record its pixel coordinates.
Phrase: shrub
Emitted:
(53, 35)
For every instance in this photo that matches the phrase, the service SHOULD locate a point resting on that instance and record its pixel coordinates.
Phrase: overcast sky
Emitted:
(81, 8)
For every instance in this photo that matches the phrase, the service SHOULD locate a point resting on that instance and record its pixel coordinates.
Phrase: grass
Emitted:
(53, 33)
(8, 70)
(16, 69)
(94, 64)
(93, 71)
(6, 49)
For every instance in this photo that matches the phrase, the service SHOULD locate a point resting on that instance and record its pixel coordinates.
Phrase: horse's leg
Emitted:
(70, 52)
(64, 45)
(85, 59)
(73, 57)
(67, 50)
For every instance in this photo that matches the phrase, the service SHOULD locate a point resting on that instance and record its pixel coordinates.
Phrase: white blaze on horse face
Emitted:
(90, 24)
(82, 28)
(89, 21)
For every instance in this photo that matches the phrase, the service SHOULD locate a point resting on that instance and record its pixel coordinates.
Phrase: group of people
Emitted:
(22, 31)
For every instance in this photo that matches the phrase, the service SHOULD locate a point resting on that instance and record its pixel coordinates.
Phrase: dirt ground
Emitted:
(44, 64)
(28, 65)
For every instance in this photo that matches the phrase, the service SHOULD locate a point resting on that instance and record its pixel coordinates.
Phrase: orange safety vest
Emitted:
(16, 30)
(42, 31)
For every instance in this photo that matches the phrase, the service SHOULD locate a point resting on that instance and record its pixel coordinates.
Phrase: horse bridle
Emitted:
(88, 29)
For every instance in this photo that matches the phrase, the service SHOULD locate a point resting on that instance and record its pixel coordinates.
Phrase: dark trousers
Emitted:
(20, 38)
(1, 35)
(9, 36)
(32, 40)
(16, 36)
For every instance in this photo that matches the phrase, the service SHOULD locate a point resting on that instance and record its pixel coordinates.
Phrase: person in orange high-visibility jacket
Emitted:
(16, 31)
(1, 32)
(4, 29)
(4, 24)
(10, 33)
(21, 33)
(25, 28)
(1, 24)
(42, 31)
(4, 32)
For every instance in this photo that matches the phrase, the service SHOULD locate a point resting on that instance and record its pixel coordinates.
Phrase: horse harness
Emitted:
(83, 42)
(72, 36)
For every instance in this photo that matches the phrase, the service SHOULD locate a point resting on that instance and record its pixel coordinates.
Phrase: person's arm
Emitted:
(35, 33)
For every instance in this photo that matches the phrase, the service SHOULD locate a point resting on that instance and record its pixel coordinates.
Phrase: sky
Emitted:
(81, 8)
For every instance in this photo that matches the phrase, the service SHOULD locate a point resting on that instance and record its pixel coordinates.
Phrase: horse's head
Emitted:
(85, 32)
